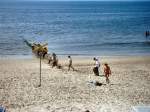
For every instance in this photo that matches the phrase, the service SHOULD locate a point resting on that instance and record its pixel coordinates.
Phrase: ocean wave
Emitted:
(146, 43)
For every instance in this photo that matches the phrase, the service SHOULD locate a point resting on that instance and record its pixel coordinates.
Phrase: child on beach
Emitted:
(70, 63)
(107, 72)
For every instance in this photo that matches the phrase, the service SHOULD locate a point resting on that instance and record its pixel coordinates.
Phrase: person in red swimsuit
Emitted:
(107, 72)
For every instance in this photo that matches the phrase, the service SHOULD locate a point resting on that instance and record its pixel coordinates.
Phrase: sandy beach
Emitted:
(70, 91)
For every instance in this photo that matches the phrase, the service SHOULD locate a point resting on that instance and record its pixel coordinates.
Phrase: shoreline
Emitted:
(65, 55)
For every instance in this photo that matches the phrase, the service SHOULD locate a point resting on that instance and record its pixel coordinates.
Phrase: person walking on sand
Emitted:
(107, 72)
(70, 63)
(54, 60)
(96, 68)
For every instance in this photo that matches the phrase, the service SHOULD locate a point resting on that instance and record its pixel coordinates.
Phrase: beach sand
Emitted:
(70, 91)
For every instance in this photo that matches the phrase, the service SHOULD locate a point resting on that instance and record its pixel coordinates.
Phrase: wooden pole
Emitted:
(40, 70)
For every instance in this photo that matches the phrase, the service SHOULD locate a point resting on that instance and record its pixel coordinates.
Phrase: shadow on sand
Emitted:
(96, 83)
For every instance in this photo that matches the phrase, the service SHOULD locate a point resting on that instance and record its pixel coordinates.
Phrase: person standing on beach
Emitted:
(96, 68)
(54, 60)
(70, 63)
(107, 72)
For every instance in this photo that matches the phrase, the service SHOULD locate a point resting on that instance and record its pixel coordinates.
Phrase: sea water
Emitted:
(75, 28)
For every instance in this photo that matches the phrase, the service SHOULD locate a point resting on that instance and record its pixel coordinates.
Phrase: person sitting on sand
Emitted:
(107, 72)
(96, 68)
(70, 63)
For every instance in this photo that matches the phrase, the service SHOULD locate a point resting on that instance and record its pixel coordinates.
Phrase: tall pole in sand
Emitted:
(40, 69)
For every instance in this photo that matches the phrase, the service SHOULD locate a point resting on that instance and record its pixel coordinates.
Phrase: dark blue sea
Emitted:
(76, 28)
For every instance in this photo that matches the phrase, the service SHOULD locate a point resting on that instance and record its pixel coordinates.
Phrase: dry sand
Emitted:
(70, 91)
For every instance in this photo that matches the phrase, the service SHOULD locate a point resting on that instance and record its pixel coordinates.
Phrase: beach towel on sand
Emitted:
(95, 83)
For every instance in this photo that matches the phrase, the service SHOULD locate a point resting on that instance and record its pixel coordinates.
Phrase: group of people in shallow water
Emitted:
(42, 51)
